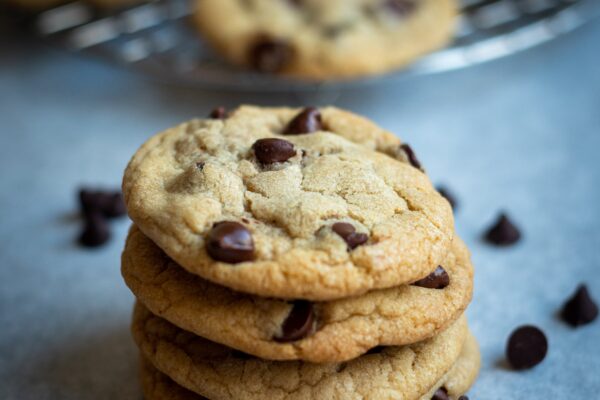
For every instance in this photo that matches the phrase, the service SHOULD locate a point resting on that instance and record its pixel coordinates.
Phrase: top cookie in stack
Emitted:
(267, 240)
(289, 204)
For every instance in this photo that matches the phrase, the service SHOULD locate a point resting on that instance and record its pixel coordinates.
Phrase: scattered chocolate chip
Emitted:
(438, 279)
(96, 231)
(401, 8)
(348, 232)
(410, 155)
(443, 190)
(108, 203)
(307, 121)
(270, 55)
(440, 394)
(463, 398)
(218, 113)
(299, 322)
(375, 350)
(269, 151)
(230, 242)
(503, 232)
(200, 165)
(526, 347)
(580, 309)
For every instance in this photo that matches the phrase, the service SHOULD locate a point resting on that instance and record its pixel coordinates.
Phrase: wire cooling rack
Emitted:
(155, 38)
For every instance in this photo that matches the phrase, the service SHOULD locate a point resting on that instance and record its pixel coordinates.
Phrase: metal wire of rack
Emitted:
(155, 39)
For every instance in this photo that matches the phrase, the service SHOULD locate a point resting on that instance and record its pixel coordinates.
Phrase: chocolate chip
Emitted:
(348, 232)
(200, 165)
(375, 350)
(401, 8)
(526, 347)
(580, 309)
(269, 151)
(298, 324)
(503, 232)
(438, 279)
(218, 113)
(443, 190)
(410, 155)
(307, 121)
(440, 394)
(463, 398)
(96, 231)
(108, 203)
(270, 55)
(230, 242)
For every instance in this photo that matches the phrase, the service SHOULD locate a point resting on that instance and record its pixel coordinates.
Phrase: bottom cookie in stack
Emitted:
(179, 365)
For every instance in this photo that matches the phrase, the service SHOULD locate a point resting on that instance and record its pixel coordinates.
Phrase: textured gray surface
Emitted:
(520, 134)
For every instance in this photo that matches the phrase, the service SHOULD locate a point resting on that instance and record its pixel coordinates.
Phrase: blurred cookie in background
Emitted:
(325, 39)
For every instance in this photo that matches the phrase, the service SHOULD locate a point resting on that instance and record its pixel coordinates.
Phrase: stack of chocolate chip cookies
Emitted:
(294, 254)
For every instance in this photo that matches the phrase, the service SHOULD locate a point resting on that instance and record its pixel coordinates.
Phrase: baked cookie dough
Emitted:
(325, 39)
(337, 331)
(217, 372)
(283, 203)
(158, 386)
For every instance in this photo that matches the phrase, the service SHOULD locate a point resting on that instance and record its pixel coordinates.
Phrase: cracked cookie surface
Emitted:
(325, 39)
(158, 386)
(218, 372)
(184, 181)
(345, 328)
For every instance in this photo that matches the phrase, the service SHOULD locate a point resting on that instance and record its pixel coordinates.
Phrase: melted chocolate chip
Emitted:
(410, 155)
(307, 121)
(299, 322)
(270, 55)
(108, 203)
(438, 279)
(503, 232)
(269, 151)
(440, 394)
(526, 347)
(375, 350)
(96, 231)
(230, 242)
(401, 8)
(218, 113)
(580, 309)
(443, 190)
(348, 232)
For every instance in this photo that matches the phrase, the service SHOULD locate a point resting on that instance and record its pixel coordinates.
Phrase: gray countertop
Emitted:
(520, 134)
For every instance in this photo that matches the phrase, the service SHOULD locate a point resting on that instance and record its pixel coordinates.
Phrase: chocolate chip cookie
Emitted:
(158, 386)
(274, 329)
(325, 39)
(295, 204)
(217, 372)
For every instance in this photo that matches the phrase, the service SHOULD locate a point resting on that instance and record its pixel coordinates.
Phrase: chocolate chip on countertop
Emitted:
(448, 195)
(96, 231)
(230, 242)
(410, 155)
(108, 203)
(440, 394)
(270, 55)
(580, 309)
(307, 121)
(526, 347)
(218, 113)
(401, 8)
(348, 232)
(503, 232)
(272, 150)
(299, 323)
(438, 279)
